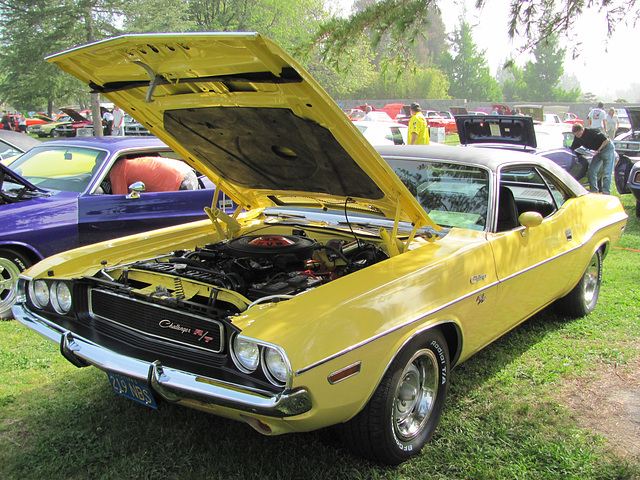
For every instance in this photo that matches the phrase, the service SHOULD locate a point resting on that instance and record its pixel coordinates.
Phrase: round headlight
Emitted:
(275, 366)
(246, 355)
(60, 297)
(39, 293)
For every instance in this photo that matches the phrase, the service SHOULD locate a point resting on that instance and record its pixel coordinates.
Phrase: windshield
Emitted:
(59, 168)
(453, 195)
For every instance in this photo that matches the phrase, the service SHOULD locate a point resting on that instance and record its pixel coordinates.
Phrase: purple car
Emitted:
(56, 197)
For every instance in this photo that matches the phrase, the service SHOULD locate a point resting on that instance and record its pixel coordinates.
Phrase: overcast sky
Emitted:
(606, 67)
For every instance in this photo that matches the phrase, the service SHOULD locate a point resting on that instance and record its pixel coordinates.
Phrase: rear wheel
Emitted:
(405, 409)
(12, 264)
(582, 299)
(638, 208)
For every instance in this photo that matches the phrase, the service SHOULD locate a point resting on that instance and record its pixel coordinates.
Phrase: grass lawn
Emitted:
(549, 400)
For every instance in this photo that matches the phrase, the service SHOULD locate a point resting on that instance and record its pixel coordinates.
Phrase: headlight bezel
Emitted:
(57, 291)
(266, 364)
(38, 289)
(239, 343)
(50, 295)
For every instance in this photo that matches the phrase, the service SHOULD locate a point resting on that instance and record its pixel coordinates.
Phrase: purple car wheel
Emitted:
(12, 265)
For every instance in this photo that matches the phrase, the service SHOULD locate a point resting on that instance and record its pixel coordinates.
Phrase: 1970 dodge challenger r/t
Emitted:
(348, 282)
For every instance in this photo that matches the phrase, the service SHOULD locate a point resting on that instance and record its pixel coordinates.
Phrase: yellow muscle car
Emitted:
(349, 282)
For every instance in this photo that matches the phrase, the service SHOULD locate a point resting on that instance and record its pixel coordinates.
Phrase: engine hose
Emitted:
(335, 251)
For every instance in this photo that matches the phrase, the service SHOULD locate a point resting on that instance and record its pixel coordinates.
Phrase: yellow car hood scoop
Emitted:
(243, 112)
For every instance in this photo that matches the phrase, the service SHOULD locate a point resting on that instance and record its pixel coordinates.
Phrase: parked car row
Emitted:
(350, 285)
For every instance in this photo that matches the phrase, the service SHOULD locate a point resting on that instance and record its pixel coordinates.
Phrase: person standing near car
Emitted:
(118, 121)
(596, 116)
(22, 124)
(107, 122)
(594, 139)
(418, 129)
(611, 123)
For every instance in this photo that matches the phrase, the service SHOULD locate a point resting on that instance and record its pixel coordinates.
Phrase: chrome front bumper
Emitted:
(168, 383)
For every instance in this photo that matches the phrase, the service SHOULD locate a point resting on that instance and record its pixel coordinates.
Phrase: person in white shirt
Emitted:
(118, 121)
(107, 122)
(596, 116)
(611, 123)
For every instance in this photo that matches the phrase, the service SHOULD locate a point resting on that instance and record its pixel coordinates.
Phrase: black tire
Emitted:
(637, 208)
(582, 299)
(405, 409)
(12, 264)
(54, 133)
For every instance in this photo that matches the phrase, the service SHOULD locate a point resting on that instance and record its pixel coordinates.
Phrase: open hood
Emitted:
(506, 129)
(242, 111)
(458, 111)
(534, 111)
(75, 116)
(634, 117)
(8, 175)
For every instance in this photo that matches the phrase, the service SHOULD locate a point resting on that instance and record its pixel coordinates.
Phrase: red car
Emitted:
(71, 129)
(441, 119)
(14, 119)
(572, 118)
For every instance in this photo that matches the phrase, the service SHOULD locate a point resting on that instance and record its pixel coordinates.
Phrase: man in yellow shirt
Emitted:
(418, 128)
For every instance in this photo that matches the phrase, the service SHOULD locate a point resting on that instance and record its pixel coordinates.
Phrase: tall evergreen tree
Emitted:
(469, 75)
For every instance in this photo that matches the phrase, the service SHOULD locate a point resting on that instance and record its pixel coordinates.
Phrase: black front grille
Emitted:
(157, 321)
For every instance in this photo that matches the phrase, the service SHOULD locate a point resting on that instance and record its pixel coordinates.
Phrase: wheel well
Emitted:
(452, 335)
(604, 248)
(23, 251)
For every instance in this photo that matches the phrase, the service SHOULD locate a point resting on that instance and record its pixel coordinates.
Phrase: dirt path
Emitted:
(609, 404)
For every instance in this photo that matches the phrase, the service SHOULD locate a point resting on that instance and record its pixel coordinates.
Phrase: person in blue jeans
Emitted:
(594, 139)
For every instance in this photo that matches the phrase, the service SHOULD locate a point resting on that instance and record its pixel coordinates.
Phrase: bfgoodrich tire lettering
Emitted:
(406, 407)
(582, 299)
(12, 264)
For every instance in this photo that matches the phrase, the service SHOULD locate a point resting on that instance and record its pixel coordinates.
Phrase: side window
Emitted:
(559, 194)
(396, 136)
(526, 189)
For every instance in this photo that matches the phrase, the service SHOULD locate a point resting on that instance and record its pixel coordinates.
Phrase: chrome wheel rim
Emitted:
(9, 274)
(591, 279)
(415, 395)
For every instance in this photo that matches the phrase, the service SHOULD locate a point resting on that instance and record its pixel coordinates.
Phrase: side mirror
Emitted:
(529, 220)
(136, 189)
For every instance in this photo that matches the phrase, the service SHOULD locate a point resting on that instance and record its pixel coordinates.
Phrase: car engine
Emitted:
(254, 267)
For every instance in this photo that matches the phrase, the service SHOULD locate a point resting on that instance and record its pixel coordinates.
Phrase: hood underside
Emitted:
(243, 112)
(634, 117)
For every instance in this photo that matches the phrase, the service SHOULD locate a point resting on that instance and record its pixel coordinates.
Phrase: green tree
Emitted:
(542, 76)
(467, 68)
(514, 88)
(33, 29)
(403, 21)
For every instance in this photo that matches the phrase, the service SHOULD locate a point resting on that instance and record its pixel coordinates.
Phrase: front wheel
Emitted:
(405, 409)
(55, 133)
(582, 299)
(637, 208)
(12, 264)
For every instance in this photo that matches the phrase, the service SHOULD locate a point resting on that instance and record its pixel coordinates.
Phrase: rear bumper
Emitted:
(172, 385)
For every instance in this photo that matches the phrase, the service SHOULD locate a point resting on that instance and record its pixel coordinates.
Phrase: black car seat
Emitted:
(507, 210)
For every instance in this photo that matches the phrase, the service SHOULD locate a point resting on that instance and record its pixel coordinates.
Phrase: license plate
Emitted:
(132, 389)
